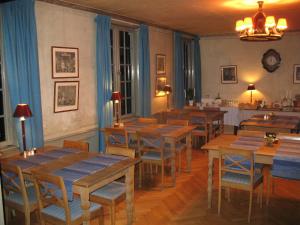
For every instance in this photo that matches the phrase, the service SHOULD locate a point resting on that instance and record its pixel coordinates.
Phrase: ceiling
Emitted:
(210, 17)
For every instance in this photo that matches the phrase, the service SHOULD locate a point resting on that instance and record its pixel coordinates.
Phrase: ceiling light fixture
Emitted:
(260, 27)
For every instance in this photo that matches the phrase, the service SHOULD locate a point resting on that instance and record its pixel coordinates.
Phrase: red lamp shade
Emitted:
(251, 87)
(167, 88)
(22, 110)
(116, 96)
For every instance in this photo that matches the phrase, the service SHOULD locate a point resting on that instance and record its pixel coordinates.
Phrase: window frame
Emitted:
(116, 65)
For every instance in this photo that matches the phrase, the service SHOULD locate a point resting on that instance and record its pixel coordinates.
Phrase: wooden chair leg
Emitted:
(101, 217)
(268, 188)
(151, 170)
(162, 174)
(140, 174)
(228, 194)
(113, 214)
(7, 214)
(219, 199)
(179, 162)
(27, 217)
(250, 205)
(261, 194)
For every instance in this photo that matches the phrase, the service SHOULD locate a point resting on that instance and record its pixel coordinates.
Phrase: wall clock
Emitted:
(271, 60)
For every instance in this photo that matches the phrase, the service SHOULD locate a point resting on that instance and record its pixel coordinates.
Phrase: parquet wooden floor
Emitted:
(186, 204)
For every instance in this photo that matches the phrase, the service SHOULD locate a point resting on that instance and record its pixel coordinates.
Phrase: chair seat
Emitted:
(16, 197)
(75, 210)
(110, 191)
(178, 147)
(241, 178)
(156, 155)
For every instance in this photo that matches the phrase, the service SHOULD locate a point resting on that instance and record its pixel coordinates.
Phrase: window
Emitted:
(188, 64)
(123, 67)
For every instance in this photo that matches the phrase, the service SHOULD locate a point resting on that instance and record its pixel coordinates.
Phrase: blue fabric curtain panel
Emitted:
(144, 72)
(21, 65)
(104, 79)
(197, 69)
(178, 71)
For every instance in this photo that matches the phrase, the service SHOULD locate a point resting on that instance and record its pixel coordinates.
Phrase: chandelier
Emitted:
(260, 27)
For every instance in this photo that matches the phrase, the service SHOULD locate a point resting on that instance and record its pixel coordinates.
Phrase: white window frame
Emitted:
(116, 65)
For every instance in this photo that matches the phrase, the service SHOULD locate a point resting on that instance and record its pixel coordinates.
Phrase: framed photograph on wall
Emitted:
(65, 62)
(159, 86)
(66, 96)
(296, 74)
(160, 64)
(229, 74)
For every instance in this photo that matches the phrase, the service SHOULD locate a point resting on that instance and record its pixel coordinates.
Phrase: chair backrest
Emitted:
(13, 181)
(50, 189)
(198, 119)
(178, 122)
(147, 120)
(114, 150)
(250, 133)
(211, 108)
(116, 136)
(150, 141)
(233, 160)
(83, 146)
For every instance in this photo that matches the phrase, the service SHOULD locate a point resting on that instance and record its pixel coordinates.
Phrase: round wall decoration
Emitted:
(271, 60)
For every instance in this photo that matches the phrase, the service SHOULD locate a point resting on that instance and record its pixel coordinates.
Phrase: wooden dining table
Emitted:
(172, 134)
(272, 123)
(89, 183)
(264, 154)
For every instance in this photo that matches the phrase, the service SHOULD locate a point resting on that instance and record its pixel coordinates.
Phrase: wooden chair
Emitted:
(116, 137)
(202, 127)
(147, 120)
(234, 174)
(180, 146)
(115, 192)
(151, 149)
(83, 146)
(251, 133)
(16, 195)
(54, 207)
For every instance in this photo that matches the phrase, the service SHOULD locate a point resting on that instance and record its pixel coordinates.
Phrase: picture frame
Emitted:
(160, 64)
(65, 62)
(159, 86)
(297, 74)
(229, 74)
(66, 96)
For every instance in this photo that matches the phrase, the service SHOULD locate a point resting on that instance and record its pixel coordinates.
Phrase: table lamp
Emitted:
(22, 111)
(116, 98)
(167, 89)
(251, 87)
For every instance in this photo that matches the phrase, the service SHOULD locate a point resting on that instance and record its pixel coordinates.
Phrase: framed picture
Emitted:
(66, 96)
(160, 64)
(296, 74)
(229, 75)
(159, 87)
(65, 62)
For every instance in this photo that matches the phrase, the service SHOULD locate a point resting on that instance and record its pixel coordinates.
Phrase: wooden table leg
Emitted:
(210, 177)
(189, 152)
(85, 205)
(129, 181)
(173, 166)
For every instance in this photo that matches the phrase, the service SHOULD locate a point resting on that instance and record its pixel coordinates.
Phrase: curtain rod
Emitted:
(115, 17)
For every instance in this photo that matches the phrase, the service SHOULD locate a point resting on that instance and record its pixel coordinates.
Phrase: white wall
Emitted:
(61, 26)
(161, 42)
(225, 50)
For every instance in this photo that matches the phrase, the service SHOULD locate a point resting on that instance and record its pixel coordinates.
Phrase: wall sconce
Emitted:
(22, 111)
(116, 98)
(251, 87)
(167, 89)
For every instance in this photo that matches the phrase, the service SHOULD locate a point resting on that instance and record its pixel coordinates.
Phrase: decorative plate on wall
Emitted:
(271, 60)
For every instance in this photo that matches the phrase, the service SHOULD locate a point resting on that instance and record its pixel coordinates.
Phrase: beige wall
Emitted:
(225, 50)
(161, 42)
(61, 26)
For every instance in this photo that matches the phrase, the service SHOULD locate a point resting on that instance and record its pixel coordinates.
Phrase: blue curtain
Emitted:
(21, 66)
(178, 82)
(104, 79)
(144, 94)
(197, 69)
